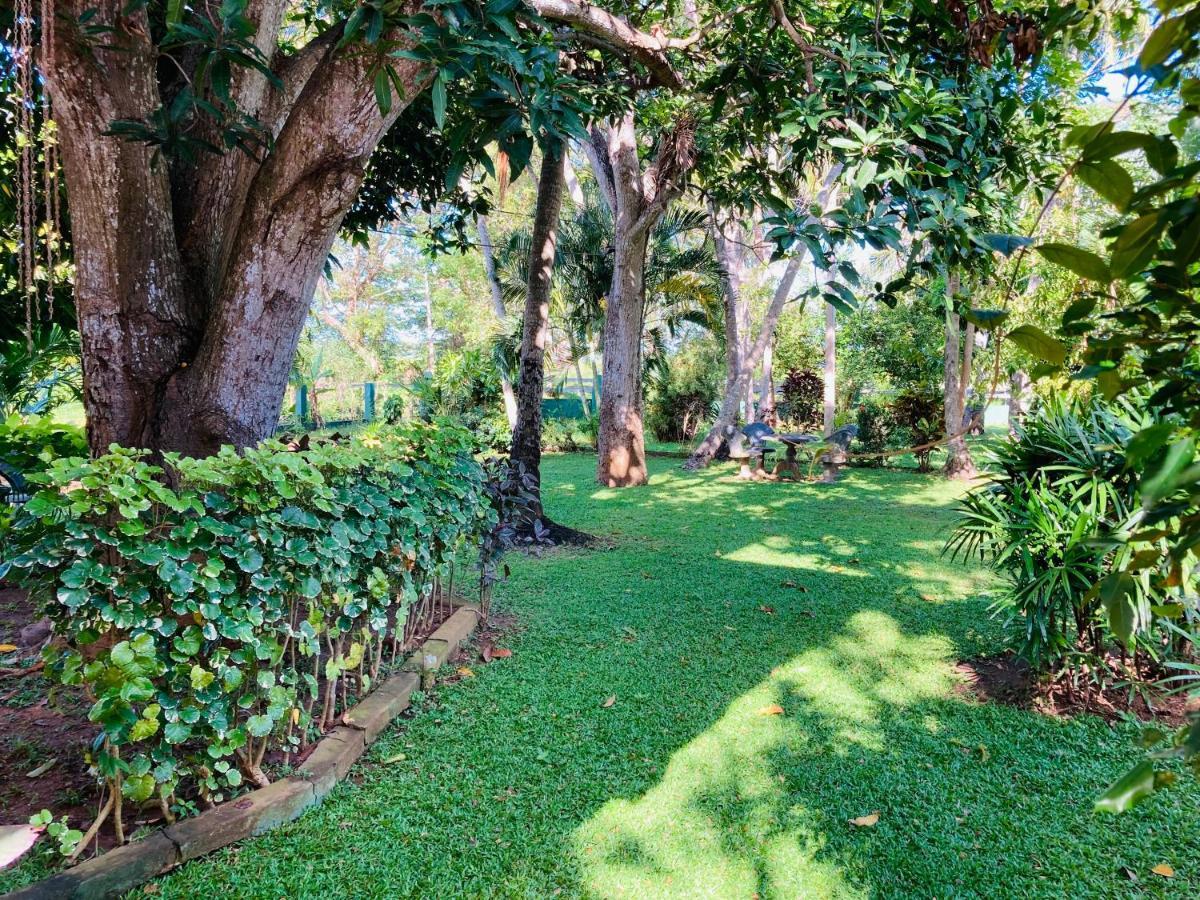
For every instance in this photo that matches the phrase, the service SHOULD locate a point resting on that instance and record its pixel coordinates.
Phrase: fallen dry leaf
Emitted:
(769, 610)
(466, 672)
(865, 821)
(1164, 870)
(773, 710)
(608, 701)
(501, 653)
(42, 769)
(398, 757)
(7, 648)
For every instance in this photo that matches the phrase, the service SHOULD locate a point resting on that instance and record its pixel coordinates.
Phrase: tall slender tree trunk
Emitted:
(958, 460)
(489, 267)
(766, 388)
(527, 434)
(430, 350)
(727, 417)
(638, 199)
(1018, 399)
(830, 369)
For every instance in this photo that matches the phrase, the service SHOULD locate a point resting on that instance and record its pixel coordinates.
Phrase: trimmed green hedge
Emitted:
(228, 606)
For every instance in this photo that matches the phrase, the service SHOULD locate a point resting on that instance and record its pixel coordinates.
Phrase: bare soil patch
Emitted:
(1009, 680)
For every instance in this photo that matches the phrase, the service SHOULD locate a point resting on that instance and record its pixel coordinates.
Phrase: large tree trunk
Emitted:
(195, 275)
(527, 434)
(489, 268)
(621, 442)
(638, 200)
(956, 374)
(766, 388)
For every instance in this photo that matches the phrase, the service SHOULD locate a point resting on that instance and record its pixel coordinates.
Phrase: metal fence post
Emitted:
(368, 401)
(302, 403)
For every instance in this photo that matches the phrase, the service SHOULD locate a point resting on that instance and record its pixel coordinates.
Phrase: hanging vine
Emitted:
(29, 132)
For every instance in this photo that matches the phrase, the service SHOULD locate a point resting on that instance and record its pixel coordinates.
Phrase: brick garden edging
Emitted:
(124, 868)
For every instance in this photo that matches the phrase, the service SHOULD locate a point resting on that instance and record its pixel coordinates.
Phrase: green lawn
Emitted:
(519, 783)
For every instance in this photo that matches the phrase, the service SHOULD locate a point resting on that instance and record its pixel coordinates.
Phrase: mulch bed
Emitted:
(40, 726)
(1009, 680)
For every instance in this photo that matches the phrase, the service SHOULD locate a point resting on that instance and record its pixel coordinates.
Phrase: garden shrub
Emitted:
(1056, 487)
(803, 394)
(872, 420)
(682, 398)
(29, 443)
(919, 415)
(559, 436)
(215, 609)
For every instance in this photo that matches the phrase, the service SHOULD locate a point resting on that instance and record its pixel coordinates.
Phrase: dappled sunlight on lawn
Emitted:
(725, 820)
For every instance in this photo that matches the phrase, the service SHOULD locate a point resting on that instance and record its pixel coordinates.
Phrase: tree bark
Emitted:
(639, 200)
(430, 350)
(1018, 399)
(830, 369)
(959, 464)
(766, 388)
(526, 450)
(489, 268)
(195, 276)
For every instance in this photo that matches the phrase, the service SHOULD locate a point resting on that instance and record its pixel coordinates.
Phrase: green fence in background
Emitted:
(358, 403)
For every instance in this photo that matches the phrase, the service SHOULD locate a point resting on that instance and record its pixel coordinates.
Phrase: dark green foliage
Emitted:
(217, 618)
(872, 420)
(800, 408)
(38, 374)
(683, 396)
(919, 415)
(30, 444)
(1056, 487)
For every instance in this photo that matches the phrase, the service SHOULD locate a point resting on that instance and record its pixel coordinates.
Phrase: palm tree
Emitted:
(39, 373)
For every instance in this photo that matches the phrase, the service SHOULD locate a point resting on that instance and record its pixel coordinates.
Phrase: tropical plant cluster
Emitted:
(1057, 486)
(220, 613)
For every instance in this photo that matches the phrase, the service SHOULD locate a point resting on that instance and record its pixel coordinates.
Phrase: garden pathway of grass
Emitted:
(518, 783)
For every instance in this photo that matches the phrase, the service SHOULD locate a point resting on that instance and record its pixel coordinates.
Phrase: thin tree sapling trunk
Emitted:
(489, 267)
(959, 463)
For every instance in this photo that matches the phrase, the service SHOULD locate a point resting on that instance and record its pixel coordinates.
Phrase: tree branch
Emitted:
(647, 49)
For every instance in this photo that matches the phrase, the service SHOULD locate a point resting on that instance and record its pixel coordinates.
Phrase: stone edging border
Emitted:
(124, 868)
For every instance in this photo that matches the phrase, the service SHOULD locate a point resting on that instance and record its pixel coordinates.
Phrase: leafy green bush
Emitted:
(872, 420)
(920, 417)
(800, 407)
(230, 605)
(559, 435)
(1056, 487)
(28, 444)
(682, 397)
